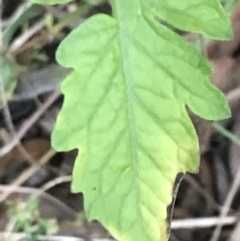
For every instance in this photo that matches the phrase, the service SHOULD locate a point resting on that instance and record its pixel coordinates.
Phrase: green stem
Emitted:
(80, 11)
(226, 133)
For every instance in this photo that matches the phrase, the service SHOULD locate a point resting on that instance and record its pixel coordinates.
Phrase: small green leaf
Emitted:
(8, 72)
(197, 16)
(51, 1)
(95, 2)
(125, 110)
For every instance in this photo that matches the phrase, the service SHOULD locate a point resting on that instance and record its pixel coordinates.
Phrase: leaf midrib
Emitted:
(130, 100)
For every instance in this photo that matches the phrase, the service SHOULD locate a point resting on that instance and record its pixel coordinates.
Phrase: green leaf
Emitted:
(125, 110)
(95, 2)
(197, 16)
(50, 2)
(8, 71)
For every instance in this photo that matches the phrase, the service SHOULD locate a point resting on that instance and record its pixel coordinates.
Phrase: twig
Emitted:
(29, 123)
(3, 99)
(6, 111)
(209, 222)
(234, 187)
(27, 174)
(18, 42)
(9, 123)
(19, 17)
(235, 233)
(55, 182)
(225, 209)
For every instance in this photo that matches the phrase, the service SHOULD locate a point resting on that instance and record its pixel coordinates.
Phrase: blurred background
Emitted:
(36, 202)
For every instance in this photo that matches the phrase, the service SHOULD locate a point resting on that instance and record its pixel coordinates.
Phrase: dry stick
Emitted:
(225, 209)
(27, 174)
(235, 233)
(20, 180)
(11, 128)
(9, 123)
(22, 150)
(29, 123)
(22, 39)
(233, 98)
(233, 190)
(209, 222)
(19, 11)
(55, 182)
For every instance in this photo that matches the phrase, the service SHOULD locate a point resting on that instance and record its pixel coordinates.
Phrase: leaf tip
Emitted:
(226, 112)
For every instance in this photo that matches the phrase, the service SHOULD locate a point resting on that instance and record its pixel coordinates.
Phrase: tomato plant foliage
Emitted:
(125, 108)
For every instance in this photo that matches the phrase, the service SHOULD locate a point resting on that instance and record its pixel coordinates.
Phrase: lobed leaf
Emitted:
(125, 110)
